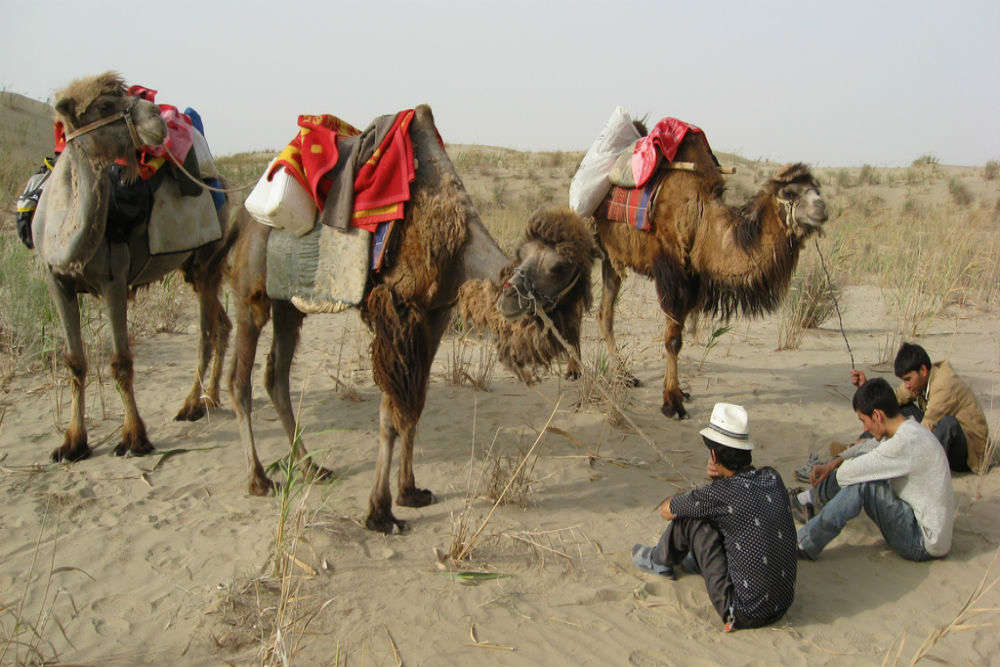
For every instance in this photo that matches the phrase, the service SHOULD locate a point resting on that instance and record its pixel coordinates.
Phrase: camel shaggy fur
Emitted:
(112, 270)
(706, 256)
(440, 245)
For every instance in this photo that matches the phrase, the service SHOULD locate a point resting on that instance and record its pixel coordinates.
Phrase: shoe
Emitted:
(803, 473)
(802, 555)
(642, 556)
(801, 512)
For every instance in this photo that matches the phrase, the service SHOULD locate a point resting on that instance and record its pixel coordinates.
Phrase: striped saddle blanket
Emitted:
(633, 206)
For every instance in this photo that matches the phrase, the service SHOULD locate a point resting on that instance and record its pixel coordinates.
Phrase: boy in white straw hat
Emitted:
(736, 531)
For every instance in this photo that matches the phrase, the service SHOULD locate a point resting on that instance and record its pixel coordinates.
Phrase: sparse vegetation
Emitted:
(991, 170)
(960, 193)
(926, 160)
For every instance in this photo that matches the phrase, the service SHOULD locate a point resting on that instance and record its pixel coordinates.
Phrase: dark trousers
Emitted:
(948, 432)
(699, 538)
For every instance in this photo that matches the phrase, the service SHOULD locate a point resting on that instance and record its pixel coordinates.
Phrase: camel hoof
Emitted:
(386, 523)
(72, 453)
(315, 473)
(630, 380)
(134, 445)
(191, 413)
(671, 411)
(415, 498)
(262, 486)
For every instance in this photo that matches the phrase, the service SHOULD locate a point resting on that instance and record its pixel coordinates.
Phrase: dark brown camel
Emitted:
(706, 256)
(440, 245)
(78, 192)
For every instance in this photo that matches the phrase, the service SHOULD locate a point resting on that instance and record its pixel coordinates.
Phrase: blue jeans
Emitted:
(893, 516)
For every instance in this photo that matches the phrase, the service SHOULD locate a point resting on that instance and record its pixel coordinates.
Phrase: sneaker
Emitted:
(642, 556)
(803, 473)
(801, 512)
(802, 555)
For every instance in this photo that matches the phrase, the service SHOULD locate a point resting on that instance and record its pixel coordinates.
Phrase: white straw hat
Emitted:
(729, 426)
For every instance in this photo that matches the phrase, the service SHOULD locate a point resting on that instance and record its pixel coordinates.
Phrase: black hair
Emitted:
(875, 394)
(910, 358)
(729, 457)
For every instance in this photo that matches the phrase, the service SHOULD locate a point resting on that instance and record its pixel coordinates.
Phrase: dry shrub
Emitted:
(605, 387)
(991, 170)
(506, 470)
(470, 362)
(960, 193)
(869, 176)
(161, 307)
(926, 160)
(811, 298)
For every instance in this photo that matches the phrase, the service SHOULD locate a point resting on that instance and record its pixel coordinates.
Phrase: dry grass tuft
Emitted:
(470, 362)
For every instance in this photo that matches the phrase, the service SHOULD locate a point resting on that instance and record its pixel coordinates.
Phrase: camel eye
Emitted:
(789, 192)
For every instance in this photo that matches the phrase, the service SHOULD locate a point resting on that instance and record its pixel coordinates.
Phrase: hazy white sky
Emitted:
(829, 83)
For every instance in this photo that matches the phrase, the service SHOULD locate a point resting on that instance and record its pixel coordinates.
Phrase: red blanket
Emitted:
(313, 152)
(633, 206)
(664, 139)
(382, 183)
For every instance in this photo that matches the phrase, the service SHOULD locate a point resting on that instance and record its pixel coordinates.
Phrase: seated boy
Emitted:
(900, 478)
(945, 404)
(736, 531)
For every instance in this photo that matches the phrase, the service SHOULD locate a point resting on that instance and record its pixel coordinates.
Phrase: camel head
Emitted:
(801, 206)
(132, 122)
(551, 266)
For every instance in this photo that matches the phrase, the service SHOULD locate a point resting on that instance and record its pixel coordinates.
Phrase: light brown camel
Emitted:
(706, 256)
(440, 245)
(76, 196)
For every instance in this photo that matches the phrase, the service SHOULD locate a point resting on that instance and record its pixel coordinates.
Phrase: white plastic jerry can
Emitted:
(282, 202)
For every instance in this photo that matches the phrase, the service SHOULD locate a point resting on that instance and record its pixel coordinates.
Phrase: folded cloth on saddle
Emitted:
(365, 176)
(639, 162)
(632, 205)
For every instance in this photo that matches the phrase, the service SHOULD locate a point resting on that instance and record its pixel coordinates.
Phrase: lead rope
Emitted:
(177, 163)
(599, 382)
(836, 305)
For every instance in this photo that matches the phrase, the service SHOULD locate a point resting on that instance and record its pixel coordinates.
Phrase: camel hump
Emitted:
(423, 114)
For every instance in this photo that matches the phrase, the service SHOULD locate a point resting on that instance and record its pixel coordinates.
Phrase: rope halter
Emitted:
(789, 205)
(125, 115)
(529, 297)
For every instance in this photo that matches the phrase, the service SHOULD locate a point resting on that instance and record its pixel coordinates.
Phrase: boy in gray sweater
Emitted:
(900, 477)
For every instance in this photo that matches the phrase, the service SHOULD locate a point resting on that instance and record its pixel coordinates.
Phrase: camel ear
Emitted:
(65, 108)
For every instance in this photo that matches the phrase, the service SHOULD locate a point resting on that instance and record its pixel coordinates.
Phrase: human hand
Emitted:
(858, 377)
(820, 472)
(714, 470)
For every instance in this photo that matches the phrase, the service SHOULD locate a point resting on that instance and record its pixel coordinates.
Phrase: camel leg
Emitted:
(134, 440)
(74, 447)
(287, 322)
(380, 515)
(215, 327)
(251, 316)
(408, 495)
(611, 283)
(673, 397)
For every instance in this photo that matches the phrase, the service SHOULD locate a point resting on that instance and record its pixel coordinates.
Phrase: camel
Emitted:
(440, 246)
(706, 256)
(79, 186)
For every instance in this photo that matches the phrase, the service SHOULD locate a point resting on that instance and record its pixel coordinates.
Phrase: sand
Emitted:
(167, 561)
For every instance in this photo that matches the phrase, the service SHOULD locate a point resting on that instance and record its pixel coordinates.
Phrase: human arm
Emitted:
(665, 509)
(820, 472)
(891, 459)
(695, 504)
(858, 377)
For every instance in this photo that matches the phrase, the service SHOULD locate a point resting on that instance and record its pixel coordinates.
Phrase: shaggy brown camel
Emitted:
(440, 245)
(79, 186)
(706, 256)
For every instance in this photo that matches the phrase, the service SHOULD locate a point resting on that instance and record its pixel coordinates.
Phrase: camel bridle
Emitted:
(789, 205)
(125, 116)
(529, 296)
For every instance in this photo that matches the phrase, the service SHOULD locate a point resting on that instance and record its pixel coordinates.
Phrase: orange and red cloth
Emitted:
(382, 183)
(175, 146)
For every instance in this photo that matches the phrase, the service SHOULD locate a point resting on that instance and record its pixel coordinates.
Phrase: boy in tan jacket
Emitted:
(943, 403)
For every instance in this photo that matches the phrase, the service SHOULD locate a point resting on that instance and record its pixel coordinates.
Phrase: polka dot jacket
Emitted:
(750, 510)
